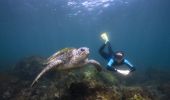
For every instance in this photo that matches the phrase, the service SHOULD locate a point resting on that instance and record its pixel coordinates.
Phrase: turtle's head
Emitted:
(82, 53)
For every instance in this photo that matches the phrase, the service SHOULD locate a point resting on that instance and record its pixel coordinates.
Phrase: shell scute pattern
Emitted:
(64, 55)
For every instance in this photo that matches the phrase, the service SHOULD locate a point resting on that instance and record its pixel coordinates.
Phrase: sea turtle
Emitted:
(68, 58)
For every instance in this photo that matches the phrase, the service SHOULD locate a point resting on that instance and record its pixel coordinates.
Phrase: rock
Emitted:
(136, 93)
(28, 67)
(81, 84)
(6, 95)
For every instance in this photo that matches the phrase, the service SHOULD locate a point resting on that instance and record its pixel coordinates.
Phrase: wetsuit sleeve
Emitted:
(131, 67)
(103, 53)
(109, 65)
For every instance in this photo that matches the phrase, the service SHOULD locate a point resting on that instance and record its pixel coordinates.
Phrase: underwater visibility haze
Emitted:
(32, 30)
(40, 27)
(34, 27)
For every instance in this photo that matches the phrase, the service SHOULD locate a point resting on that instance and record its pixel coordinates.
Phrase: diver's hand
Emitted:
(132, 69)
(105, 37)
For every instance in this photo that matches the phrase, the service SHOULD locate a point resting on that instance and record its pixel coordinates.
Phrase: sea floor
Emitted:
(82, 84)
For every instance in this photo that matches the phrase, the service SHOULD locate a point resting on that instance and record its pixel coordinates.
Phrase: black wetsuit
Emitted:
(109, 56)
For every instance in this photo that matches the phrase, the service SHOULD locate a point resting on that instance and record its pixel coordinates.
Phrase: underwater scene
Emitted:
(84, 50)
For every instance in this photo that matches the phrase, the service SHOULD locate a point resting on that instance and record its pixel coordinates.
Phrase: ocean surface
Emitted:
(141, 28)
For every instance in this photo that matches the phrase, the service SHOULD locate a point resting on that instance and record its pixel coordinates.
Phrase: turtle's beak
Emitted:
(88, 51)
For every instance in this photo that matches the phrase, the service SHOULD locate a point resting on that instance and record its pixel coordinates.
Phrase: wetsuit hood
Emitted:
(119, 55)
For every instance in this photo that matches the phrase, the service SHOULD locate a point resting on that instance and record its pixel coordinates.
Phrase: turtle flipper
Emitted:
(47, 68)
(95, 63)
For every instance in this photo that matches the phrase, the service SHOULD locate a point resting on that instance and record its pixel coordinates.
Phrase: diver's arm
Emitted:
(109, 65)
(131, 67)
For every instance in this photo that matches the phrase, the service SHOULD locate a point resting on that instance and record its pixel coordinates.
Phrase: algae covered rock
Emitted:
(79, 84)
(28, 67)
(136, 93)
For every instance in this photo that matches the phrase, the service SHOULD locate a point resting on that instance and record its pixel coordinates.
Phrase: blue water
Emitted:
(141, 28)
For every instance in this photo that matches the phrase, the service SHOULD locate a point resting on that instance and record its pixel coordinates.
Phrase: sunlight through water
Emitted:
(80, 6)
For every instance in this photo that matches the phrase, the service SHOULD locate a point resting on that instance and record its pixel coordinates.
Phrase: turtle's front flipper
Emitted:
(95, 63)
(47, 68)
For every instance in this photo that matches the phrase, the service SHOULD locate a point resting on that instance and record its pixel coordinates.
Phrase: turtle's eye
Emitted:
(82, 49)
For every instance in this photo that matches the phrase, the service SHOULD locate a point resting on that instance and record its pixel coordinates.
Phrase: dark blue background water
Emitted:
(40, 27)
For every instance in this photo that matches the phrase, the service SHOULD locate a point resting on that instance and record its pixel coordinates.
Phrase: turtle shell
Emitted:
(64, 54)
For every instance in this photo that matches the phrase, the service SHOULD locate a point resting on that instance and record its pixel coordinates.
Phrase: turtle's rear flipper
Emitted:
(46, 69)
(95, 63)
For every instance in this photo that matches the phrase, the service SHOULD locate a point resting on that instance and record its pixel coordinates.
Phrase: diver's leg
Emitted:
(110, 48)
(102, 52)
